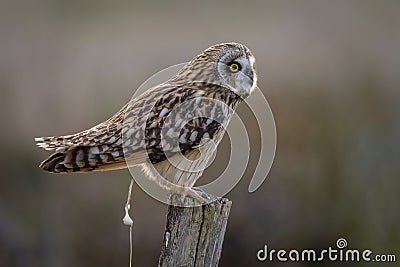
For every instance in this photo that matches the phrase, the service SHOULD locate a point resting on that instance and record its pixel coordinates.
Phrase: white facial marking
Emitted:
(252, 60)
(254, 83)
(253, 86)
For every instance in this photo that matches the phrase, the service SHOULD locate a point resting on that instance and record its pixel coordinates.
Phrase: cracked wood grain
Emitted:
(194, 235)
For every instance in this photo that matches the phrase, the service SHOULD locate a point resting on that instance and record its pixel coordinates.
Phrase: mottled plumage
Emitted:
(166, 121)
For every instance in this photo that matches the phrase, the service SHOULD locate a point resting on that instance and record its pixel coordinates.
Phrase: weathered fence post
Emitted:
(194, 235)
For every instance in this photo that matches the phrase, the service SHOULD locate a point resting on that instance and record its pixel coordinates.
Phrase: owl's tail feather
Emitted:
(51, 162)
(74, 158)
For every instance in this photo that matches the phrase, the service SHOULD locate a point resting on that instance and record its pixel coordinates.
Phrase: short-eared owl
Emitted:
(167, 127)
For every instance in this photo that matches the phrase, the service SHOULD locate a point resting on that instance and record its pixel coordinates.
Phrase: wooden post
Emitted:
(194, 235)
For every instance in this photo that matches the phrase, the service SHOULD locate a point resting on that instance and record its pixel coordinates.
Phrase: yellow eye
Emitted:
(234, 67)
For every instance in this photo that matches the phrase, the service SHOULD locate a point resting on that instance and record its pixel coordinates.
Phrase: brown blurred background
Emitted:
(331, 73)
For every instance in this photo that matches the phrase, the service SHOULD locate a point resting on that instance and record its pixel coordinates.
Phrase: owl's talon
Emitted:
(201, 196)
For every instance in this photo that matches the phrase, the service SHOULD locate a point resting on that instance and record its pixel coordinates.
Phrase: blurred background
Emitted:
(329, 69)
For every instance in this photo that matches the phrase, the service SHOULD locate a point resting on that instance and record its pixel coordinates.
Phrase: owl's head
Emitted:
(233, 64)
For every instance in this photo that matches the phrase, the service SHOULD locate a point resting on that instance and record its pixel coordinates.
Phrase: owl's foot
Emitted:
(190, 197)
(208, 198)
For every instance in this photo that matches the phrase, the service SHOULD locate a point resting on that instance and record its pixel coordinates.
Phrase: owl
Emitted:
(171, 130)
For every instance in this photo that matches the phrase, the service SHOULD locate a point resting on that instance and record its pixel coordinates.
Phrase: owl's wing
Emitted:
(182, 119)
(105, 133)
(135, 133)
(98, 148)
